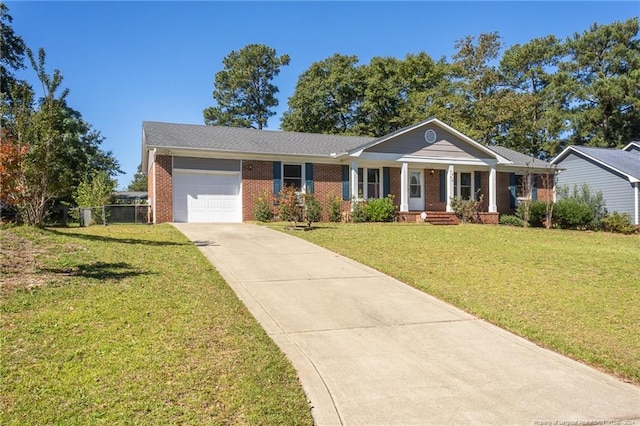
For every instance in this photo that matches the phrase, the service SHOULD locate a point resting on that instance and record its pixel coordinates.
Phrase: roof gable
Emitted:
(411, 140)
(616, 160)
(633, 147)
(414, 143)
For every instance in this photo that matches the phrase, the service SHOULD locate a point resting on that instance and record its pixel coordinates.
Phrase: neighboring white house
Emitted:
(614, 172)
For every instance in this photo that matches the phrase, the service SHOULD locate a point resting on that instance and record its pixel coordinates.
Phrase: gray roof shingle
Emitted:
(624, 161)
(517, 158)
(252, 141)
(235, 139)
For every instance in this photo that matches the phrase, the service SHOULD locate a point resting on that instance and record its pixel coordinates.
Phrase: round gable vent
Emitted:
(430, 136)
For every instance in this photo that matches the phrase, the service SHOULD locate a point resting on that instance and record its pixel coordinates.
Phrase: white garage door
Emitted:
(206, 197)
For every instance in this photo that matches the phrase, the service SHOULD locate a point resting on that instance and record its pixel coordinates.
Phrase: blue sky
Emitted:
(127, 62)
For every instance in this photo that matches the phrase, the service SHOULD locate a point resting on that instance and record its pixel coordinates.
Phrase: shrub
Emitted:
(263, 210)
(290, 205)
(571, 213)
(511, 220)
(334, 208)
(381, 209)
(582, 195)
(537, 212)
(467, 210)
(359, 212)
(618, 222)
(312, 210)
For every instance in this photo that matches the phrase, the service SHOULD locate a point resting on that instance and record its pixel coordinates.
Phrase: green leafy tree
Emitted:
(603, 71)
(391, 86)
(244, 94)
(533, 107)
(62, 148)
(139, 182)
(477, 82)
(327, 97)
(95, 190)
(12, 51)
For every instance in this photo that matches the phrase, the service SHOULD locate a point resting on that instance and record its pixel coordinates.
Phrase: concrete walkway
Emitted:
(370, 350)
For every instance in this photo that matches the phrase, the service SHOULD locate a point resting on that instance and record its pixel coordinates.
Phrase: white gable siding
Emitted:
(616, 189)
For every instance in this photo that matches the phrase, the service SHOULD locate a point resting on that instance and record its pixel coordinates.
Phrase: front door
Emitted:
(416, 190)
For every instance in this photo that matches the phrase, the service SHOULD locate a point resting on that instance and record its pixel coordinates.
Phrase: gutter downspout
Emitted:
(636, 197)
(153, 171)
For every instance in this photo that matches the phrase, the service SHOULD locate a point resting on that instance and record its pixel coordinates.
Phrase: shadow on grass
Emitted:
(99, 271)
(115, 240)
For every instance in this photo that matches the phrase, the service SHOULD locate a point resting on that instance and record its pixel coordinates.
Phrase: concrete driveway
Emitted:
(370, 350)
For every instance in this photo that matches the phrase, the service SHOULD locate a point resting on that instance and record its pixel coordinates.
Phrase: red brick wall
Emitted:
(545, 192)
(432, 191)
(164, 189)
(327, 182)
(257, 178)
(503, 196)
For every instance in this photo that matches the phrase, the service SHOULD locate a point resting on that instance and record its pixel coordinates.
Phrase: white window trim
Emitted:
(365, 182)
(303, 183)
(458, 186)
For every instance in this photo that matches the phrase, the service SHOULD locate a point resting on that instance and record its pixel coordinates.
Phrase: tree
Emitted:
(533, 112)
(327, 97)
(139, 182)
(11, 155)
(391, 86)
(12, 50)
(244, 94)
(477, 82)
(60, 148)
(603, 84)
(433, 92)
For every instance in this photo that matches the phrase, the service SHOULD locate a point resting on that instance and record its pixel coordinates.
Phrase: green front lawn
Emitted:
(131, 325)
(575, 292)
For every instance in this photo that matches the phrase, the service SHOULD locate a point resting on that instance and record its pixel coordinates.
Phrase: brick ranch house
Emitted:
(199, 173)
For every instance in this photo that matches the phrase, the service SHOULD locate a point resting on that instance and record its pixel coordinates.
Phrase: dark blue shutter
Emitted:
(308, 177)
(277, 177)
(386, 181)
(512, 190)
(534, 190)
(443, 186)
(478, 184)
(345, 183)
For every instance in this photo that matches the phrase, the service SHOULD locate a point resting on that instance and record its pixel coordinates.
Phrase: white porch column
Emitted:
(354, 179)
(493, 207)
(450, 194)
(404, 187)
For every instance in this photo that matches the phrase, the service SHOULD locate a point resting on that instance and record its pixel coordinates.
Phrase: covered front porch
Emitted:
(428, 165)
(427, 189)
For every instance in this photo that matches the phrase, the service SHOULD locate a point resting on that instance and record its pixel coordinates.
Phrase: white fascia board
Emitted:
(564, 153)
(630, 144)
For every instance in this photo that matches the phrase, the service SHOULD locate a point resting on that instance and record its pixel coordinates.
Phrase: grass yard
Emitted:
(575, 292)
(131, 325)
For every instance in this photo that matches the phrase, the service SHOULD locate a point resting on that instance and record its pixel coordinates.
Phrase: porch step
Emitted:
(441, 218)
(434, 218)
